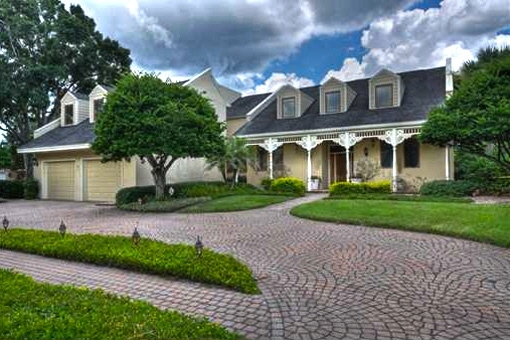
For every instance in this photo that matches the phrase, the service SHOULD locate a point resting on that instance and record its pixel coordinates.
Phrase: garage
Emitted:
(101, 180)
(60, 180)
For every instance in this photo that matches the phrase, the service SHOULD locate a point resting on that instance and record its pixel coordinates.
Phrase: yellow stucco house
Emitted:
(319, 134)
(67, 169)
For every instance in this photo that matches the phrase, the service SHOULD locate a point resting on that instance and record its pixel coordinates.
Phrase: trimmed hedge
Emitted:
(266, 183)
(153, 257)
(31, 189)
(448, 188)
(11, 189)
(347, 188)
(183, 190)
(288, 185)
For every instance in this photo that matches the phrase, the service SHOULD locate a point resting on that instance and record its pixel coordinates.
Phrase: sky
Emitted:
(255, 46)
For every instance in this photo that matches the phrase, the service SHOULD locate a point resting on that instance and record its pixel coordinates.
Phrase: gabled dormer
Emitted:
(74, 108)
(291, 102)
(97, 100)
(335, 96)
(386, 89)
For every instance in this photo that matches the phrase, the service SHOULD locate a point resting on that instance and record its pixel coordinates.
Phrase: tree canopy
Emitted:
(476, 118)
(159, 122)
(45, 51)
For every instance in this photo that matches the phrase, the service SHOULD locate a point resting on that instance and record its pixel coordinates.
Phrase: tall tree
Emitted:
(45, 51)
(476, 118)
(159, 122)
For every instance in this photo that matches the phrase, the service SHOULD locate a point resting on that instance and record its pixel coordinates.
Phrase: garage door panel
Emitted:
(61, 180)
(102, 180)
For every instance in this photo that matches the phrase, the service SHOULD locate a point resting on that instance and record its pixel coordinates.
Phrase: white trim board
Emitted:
(55, 148)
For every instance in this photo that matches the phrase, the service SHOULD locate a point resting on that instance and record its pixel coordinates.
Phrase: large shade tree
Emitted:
(46, 50)
(159, 122)
(476, 118)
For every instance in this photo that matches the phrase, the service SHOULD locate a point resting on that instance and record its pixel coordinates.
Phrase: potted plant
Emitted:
(316, 183)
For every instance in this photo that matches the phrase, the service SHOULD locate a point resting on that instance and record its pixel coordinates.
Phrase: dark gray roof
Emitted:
(424, 89)
(108, 88)
(82, 133)
(241, 106)
(80, 95)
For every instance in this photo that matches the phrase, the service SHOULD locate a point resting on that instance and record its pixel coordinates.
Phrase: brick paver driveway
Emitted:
(319, 280)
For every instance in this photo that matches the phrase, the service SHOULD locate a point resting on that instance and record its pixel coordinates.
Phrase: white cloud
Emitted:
(277, 80)
(419, 39)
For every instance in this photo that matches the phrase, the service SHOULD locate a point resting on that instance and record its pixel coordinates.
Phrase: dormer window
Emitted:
(289, 107)
(384, 95)
(332, 101)
(69, 114)
(98, 107)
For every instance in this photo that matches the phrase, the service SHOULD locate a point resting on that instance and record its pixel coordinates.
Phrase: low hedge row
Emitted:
(28, 189)
(459, 188)
(182, 190)
(288, 185)
(153, 257)
(347, 188)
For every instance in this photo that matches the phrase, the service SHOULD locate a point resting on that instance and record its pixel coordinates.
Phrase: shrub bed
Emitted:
(154, 257)
(347, 188)
(448, 188)
(31, 189)
(288, 185)
(11, 189)
(183, 190)
(33, 310)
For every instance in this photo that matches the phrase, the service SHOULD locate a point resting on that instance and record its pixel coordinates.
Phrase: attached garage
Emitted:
(60, 180)
(101, 180)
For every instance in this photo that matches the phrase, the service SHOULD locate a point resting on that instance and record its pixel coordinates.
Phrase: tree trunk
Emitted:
(159, 176)
(29, 167)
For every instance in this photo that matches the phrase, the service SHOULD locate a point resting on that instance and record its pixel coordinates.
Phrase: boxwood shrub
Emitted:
(347, 188)
(448, 188)
(31, 189)
(288, 185)
(11, 189)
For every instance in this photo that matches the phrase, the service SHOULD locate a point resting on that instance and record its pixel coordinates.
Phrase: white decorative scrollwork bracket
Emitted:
(309, 143)
(270, 145)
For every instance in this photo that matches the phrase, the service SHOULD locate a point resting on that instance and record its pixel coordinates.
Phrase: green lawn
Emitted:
(484, 223)
(32, 310)
(164, 206)
(176, 260)
(235, 203)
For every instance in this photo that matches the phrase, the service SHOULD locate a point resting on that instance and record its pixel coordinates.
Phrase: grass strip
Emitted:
(235, 203)
(153, 257)
(33, 310)
(483, 223)
(164, 206)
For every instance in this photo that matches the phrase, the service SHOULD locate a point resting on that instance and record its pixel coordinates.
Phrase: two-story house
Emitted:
(67, 169)
(325, 131)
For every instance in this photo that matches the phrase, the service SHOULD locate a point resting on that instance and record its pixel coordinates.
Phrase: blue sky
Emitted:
(257, 45)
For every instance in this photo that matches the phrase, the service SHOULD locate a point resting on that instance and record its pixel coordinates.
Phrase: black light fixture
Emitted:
(136, 237)
(35, 162)
(62, 228)
(5, 223)
(199, 246)
(365, 151)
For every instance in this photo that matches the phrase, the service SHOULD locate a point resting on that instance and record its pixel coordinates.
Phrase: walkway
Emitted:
(319, 280)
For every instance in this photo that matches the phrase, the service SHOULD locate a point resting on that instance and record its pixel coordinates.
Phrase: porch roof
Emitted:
(424, 89)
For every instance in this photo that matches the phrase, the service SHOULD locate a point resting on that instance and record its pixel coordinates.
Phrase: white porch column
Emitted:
(347, 140)
(309, 143)
(447, 162)
(394, 137)
(270, 145)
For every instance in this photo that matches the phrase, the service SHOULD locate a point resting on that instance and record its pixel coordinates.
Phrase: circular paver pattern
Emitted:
(318, 280)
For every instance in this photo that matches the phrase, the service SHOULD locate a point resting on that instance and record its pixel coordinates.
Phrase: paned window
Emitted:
(332, 101)
(384, 95)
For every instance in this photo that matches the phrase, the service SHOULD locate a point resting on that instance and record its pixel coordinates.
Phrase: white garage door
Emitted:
(60, 177)
(102, 180)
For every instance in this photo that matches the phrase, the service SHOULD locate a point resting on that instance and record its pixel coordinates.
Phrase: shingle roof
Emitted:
(241, 106)
(424, 89)
(108, 88)
(82, 133)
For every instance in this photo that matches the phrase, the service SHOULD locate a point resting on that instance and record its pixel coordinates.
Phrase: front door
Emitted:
(337, 164)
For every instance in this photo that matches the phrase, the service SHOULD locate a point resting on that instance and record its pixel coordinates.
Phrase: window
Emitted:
(332, 102)
(384, 95)
(278, 159)
(69, 114)
(262, 159)
(289, 107)
(98, 107)
(411, 153)
(386, 155)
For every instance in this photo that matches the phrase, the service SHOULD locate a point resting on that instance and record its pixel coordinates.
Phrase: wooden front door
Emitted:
(337, 166)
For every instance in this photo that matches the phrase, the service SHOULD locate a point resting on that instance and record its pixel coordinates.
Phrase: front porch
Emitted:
(336, 156)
